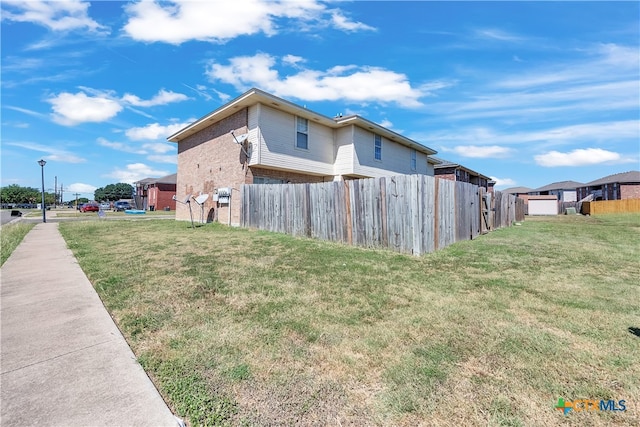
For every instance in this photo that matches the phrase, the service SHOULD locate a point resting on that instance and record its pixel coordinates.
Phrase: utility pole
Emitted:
(76, 194)
(55, 193)
(61, 192)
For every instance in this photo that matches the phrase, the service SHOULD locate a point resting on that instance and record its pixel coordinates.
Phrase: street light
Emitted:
(42, 163)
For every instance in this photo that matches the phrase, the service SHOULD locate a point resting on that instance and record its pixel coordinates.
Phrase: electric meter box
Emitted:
(224, 195)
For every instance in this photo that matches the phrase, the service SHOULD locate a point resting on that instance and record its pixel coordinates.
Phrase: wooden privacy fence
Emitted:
(611, 206)
(408, 213)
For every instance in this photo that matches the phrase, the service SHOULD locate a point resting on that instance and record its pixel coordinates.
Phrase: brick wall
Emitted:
(287, 177)
(630, 191)
(449, 176)
(208, 160)
(160, 196)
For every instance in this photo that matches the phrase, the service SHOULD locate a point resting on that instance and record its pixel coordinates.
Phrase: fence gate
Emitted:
(485, 206)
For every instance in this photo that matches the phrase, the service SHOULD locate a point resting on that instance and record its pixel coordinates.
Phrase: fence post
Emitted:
(383, 213)
(436, 215)
(347, 202)
(307, 210)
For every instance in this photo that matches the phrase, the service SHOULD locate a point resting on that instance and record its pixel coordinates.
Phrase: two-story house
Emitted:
(260, 138)
(619, 186)
(564, 190)
(156, 193)
(457, 172)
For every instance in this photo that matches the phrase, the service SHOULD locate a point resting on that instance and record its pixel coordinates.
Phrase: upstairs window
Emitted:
(414, 159)
(302, 133)
(377, 147)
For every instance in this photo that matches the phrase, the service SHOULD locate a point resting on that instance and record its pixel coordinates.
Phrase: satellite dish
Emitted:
(201, 198)
(242, 138)
(186, 200)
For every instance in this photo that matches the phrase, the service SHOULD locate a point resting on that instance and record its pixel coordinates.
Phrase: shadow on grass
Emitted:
(634, 331)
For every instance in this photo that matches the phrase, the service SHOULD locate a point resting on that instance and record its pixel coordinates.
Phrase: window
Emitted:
(302, 133)
(266, 180)
(377, 147)
(414, 159)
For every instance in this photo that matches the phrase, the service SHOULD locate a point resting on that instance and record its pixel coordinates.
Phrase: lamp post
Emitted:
(42, 163)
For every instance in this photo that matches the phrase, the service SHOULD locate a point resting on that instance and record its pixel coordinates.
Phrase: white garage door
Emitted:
(543, 207)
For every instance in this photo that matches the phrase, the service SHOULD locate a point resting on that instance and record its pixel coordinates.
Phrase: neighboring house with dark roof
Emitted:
(517, 191)
(260, 138)
(619, 186)
(564, 190)
(456, 172)
(156, 193)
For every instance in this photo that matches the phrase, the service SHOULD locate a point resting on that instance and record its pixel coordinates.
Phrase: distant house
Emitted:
(518, 191)
(259, 138)
(620, 186)
(564, 190)
(156, 193)
(456, 172)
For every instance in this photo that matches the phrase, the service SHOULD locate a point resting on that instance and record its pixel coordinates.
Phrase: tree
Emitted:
(16, 194)
(113, 192)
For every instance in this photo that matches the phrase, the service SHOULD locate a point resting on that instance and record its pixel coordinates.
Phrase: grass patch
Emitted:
(74, 213)
(241, 327)
(10, 237)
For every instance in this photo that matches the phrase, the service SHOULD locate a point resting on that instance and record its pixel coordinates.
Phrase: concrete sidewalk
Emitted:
(63, 360)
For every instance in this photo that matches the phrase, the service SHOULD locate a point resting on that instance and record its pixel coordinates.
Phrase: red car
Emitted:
(90, 207)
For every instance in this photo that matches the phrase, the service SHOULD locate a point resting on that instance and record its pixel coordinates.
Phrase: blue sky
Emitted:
(527, 93)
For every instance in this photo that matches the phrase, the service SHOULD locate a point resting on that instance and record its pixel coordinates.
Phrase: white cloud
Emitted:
(386, 123)
(163, 97)
(79, 187)
(168, 158)
(347, 83)
(179, 21)
(91, 105)
(127, 148)
(343, 23)
(135, 172)
(51, 153)
(160, 147)
(55, 15)
(628, 130)
(580, 157)
(497, 34)
(71, 109)
(292, 60)
(154, 131)
(604, 62)
(26, 111)
(154, 152)
(481, 151)
(503, 182)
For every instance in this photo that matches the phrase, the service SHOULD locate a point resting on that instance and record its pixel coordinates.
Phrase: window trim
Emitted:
(299, 132)
(414, 160)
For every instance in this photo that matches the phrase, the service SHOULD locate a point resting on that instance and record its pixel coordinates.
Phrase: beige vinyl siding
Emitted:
(396, 158)
(429, 166)
(277, 137)
(344, 151)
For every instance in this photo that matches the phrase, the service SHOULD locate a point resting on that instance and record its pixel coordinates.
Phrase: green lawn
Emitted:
(10, 237)
(241, 327)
